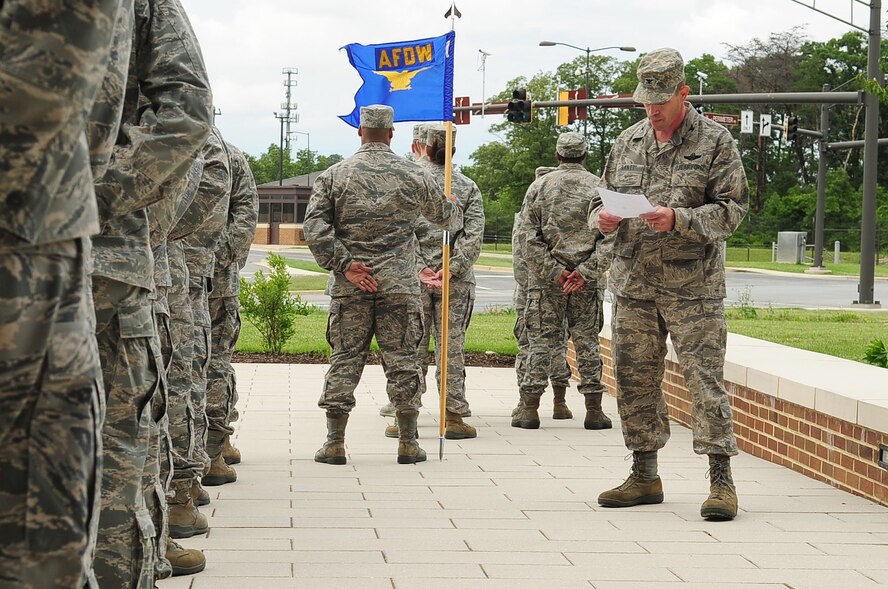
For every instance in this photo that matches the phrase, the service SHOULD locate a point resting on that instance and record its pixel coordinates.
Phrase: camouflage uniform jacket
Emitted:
(212, 198)
(166, 116)
(699, 174)
(554, 227)
(163, 216)
(365, 208)
(465, 244)
(243, 212)
(47, 89)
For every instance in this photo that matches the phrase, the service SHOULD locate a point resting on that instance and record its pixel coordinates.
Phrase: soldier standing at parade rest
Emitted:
(564, 270)
(465, 249)
(360, 224)
(54, 61)
(668, 277)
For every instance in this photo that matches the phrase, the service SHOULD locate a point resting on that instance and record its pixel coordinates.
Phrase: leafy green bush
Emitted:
(269, 306)
(876, 353)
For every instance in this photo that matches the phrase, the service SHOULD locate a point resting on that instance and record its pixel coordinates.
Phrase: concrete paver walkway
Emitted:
(511, 509)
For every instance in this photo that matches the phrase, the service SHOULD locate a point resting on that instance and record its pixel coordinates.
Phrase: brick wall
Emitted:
(261, 236)
(828, 449)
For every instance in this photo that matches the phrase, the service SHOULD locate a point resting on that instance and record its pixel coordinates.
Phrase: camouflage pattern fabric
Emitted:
(555, 237)
(674, 281)
(130, 357)
(365, 208)
(699, 334)
(165, 119)
(187, 465)
(55, 59)
(465, 247)
(396, 321)
(202, 335)
(462, 300)
(231, 255)
(50, 399)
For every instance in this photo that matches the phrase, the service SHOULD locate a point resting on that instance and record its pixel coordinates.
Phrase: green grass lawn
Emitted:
(488, 332)
(844, 334)
(501, 262)
(497, 248)
(304, 265)
(307, 282)
(742, 257)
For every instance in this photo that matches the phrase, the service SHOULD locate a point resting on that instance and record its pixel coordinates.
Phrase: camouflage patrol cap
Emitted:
(418, 132)
(542, 171)
(377, 116)
(438, 134)
(659, 73)
(570, 145)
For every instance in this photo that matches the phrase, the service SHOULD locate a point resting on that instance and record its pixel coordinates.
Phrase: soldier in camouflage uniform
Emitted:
(360, 224)
(559, 371)
(231, 255)
(465, 249)
(55, 59)
(165, 119)
(162, 216)
(668, 278)
(563, 271)
(200, 260)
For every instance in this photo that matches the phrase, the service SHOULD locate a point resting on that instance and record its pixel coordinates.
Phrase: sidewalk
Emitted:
(511, 509)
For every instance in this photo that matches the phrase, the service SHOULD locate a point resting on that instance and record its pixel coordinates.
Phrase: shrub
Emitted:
(876, 353)
(269, 306)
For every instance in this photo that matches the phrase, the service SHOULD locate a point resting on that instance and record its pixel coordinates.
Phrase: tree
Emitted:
(266, 167)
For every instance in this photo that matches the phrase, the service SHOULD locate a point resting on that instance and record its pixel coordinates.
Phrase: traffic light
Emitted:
(792, 129)
(518, 109)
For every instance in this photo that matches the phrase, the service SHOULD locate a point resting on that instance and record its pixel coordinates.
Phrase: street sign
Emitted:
(746, 121)
(723, 119)
(764, 125)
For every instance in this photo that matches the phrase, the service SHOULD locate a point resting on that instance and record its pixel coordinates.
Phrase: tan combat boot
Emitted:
(333, 450)
(595, 417)
(185, 519)
(219, 473)
(722, 502)
(199, 495)
(642, 487)
(528, 417)
(560, 410)
(409, 451)
(185, 561)
(456, 429)
(519, 406)
(231, 454)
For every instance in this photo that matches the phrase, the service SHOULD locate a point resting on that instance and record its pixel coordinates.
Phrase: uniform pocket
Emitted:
(136, 322)
(72, 355)
(682, 263)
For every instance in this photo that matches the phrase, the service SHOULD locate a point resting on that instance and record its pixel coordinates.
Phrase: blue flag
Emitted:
(415, 78)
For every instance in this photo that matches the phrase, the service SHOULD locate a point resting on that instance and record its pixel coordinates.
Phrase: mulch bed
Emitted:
(472, 359)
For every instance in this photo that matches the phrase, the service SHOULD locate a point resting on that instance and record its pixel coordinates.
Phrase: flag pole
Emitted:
(445, 289)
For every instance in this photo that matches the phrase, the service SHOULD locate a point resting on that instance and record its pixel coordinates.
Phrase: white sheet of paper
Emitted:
(626, 206)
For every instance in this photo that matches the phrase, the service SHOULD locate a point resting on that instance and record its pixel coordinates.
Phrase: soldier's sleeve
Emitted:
(173, 78)
(727, 198)
(164, 214)
(605, 181)
(424, 259)
(536, 251)
(592, 268)
(468, 241)
(328, 250)
(436, 207)
(215, 183)
(243, 213)
(52, 62)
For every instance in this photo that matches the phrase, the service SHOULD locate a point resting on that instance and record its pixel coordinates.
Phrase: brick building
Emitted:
(282, 208)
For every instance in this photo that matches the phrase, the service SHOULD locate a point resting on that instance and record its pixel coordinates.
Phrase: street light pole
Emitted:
(281, 150)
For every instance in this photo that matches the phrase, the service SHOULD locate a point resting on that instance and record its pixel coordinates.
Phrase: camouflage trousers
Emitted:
(221, 383)
(396, 321)
(699, 334)
(50, 418)
(559, 371)
(131, 369)
(198, 292)
(462, 299)
(187, 464)
(548, 314)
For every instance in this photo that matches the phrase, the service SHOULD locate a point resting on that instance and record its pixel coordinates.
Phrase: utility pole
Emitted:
(821, 188)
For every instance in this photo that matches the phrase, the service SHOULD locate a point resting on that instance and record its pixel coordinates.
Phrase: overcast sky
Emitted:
(246, 45)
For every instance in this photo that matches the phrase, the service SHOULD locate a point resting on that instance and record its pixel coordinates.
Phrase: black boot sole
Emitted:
(717, 515)
(459, 436)
(229, 462)
(181, 571)
(215, 481)
(201, 502)
(411, 459)
(570, 416)
(180, 532)
(652, 499)
(597, 425)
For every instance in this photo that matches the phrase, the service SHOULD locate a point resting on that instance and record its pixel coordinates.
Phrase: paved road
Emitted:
(494, 288)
